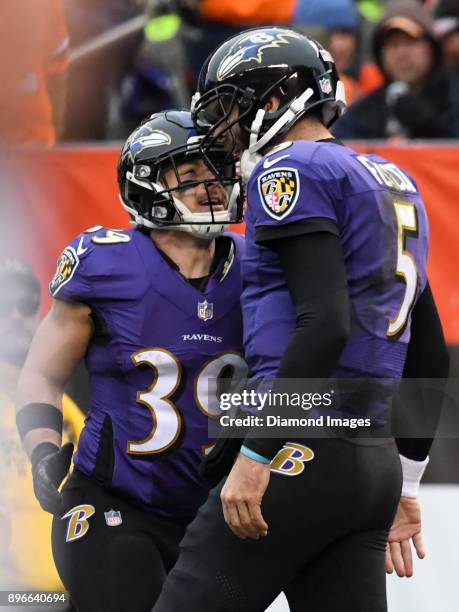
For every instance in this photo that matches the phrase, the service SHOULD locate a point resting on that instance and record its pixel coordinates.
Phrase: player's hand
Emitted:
(48, 473)
(241, 498)
(406, 527)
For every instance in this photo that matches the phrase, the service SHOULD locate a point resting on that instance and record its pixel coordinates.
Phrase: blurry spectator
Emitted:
(33, 64)
(415, 100)
(370, 13)
(210, 22)
(359, 77)
(19, 316)
(93, 80)
(342, 44)
(330, 15)
(339, 21)
(370, 78)
(447, 30)
(158, 76)
(25, 559)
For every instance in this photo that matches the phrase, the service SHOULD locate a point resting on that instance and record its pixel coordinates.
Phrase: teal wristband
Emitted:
(252, 455)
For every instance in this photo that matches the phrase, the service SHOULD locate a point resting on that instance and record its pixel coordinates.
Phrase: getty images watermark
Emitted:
(373, 407)
(260, 401)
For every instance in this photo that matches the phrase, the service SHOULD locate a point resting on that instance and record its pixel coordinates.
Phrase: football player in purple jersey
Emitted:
(334, 287)
(155, 312)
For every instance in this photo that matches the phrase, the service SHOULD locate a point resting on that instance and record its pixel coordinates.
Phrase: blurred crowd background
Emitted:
(78, 70)
(84, 73)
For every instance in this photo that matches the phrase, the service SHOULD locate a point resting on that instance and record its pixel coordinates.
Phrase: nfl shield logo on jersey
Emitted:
(205, 310)
(279, 190)
(113, 518)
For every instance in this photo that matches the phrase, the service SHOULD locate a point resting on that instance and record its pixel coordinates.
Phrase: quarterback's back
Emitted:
(376, 210)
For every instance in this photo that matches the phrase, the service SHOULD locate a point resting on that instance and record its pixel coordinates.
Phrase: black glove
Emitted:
(50, 465)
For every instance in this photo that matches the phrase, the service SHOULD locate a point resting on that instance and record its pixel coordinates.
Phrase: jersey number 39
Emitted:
(167, 420)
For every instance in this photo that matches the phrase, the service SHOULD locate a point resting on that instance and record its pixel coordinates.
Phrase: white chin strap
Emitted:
(206, 224)
(250, 157)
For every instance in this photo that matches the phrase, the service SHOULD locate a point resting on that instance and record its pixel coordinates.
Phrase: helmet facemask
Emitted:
(220, 200)
(235, 104)
(234, 117)
(156, 203)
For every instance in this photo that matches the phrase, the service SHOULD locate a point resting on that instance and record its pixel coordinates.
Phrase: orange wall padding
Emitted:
(49, 196)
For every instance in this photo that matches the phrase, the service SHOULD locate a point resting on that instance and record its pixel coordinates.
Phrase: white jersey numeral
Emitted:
(206, 391)
(111, 237)
(167, 420)
(405, 213)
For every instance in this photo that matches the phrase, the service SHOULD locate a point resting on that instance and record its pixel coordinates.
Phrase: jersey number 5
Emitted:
(167, 420)
(405, 213)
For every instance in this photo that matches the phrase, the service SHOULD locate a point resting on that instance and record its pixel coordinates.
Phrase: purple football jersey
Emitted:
(153, 371)
(377, 211)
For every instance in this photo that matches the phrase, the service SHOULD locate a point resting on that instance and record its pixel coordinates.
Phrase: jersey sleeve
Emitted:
(71, 279)
(98, 266)
(288, 195)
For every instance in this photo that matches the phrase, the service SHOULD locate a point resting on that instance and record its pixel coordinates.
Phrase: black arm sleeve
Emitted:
(315, 274)
(418, 406)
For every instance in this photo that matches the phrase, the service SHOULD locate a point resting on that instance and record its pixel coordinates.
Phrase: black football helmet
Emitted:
(249, 68)
(160, 143)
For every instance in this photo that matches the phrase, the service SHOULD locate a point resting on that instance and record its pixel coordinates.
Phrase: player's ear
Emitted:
(272, 104)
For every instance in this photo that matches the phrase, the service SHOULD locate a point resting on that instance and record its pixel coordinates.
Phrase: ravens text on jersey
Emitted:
(155, 313)
(335, 264)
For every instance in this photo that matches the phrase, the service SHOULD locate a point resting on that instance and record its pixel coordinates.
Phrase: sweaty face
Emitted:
(405, 58)
(19, 320)
(199, 190)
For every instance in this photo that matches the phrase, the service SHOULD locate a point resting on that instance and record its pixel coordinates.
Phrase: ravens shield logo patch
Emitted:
(66, 266)
(279, 191)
